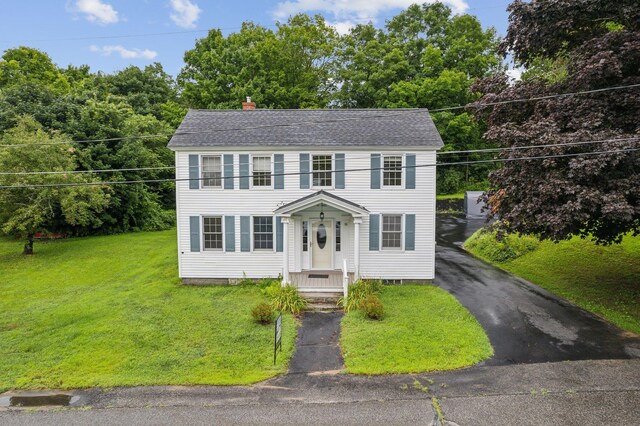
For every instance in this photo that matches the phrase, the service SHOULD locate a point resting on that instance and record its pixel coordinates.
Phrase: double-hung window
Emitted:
(211, 171)
(392, 231)
(261, 171)
(392, 170)
(212, 232)
(322, 169)
(262, 233)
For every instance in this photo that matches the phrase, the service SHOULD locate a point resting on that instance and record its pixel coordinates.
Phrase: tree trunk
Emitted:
(28, 246)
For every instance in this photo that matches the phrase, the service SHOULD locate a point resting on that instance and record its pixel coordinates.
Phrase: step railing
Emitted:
(345, 279)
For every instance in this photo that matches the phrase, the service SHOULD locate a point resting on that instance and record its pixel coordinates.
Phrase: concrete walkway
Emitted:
(318, 344)
(525, 323)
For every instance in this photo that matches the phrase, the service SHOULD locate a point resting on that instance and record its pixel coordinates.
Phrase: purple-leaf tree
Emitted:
(567, 46)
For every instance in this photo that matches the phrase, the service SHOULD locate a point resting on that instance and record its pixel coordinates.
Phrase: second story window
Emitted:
(261, 171)
(322, 166)
(211, 171)
(392, 170)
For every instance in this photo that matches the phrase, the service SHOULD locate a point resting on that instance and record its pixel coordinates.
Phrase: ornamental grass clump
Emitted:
(286, 299)
(358, 292)
(262, 313)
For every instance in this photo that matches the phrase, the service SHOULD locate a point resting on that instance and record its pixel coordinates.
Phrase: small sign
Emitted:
(278, 338)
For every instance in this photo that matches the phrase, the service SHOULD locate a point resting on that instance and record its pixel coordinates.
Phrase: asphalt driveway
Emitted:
(525, 323)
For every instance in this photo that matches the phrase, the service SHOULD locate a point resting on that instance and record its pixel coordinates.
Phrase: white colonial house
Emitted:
(318, 197)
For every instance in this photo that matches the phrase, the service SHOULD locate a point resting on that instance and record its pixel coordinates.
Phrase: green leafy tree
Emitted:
(426, 57)
(41, 102)
(145, 90)
(25, 211)
(137, 206)
(289, 68)
(25, 64)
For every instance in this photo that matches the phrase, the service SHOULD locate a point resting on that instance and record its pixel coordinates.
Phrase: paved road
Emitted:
(525, 323)
(568, 393)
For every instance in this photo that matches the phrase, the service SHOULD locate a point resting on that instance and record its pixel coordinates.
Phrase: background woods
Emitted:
(424, 57)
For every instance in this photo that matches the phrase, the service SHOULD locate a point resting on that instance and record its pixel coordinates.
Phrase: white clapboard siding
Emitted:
(386, 264)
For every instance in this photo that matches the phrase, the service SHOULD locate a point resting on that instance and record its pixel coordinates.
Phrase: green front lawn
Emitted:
(424, 329)
(458, 196)
(109, 311)
(603, 280)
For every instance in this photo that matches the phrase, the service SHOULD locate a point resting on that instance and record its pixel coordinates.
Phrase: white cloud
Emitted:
(343, 27)
(515, 74)
(97, 11)
(124, 52)
(354, 10)
(185, 13)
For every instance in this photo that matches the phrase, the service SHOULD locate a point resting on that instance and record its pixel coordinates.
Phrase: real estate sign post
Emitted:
(278, 338)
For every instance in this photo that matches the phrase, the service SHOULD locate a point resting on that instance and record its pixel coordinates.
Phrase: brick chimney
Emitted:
(248, 106)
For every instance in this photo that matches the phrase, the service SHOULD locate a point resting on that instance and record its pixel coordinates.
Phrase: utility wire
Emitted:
(301, 123)
(65, 172)
(221, 178)
(515, 148)
(350, 158)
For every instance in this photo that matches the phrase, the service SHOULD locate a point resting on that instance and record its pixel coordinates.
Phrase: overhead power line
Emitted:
(472, 151)
(302, 123)
(66, 172)
(540, 157)
(551, 145)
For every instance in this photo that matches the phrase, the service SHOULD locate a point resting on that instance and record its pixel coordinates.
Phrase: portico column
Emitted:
(357, 221)
(285, 250)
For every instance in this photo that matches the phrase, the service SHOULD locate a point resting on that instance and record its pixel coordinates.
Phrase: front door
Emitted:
(322, 245)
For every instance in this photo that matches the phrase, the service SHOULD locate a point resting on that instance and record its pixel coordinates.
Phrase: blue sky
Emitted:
(82, 31)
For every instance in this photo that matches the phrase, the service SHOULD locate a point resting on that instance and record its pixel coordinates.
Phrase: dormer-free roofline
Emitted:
(306, 129)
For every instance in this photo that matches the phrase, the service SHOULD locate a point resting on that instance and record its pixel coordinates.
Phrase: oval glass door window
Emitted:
(321, 236)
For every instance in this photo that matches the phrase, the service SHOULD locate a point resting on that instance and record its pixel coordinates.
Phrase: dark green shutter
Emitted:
(228, 171)
(339, 172)
(279, 232)
(278, 171)
(410, 171)
(304, 171)
(410, 232)
(374, 232)
(230, 233)
(243, 162)
(194, 171)
(375, 171)
(194, 232)
(245, 233)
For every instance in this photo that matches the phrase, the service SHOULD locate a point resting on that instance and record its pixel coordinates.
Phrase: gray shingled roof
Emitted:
(307, 128)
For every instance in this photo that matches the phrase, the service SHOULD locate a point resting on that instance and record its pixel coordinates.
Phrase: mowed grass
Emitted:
(602, 279)
(109, 311)
(457, 196)
(424, 329)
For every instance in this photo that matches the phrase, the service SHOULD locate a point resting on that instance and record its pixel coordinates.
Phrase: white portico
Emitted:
(326, 239)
